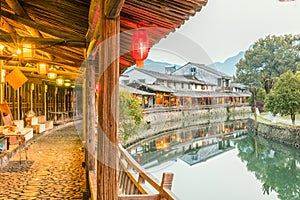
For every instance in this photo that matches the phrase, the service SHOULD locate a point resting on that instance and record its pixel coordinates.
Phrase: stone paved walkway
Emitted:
(53, 171)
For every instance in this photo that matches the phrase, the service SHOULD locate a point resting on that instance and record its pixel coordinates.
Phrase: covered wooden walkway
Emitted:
(55, 52)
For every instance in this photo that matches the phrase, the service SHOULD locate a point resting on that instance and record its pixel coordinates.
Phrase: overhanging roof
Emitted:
(59, 28)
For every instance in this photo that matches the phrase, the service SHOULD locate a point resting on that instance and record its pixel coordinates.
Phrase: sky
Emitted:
(223, 28)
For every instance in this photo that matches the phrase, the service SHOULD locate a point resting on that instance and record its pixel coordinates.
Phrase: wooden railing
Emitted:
(133, 179)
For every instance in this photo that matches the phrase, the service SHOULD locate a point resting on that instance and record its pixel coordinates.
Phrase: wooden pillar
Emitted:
(45, 100)
(108, 105)
(91, 116)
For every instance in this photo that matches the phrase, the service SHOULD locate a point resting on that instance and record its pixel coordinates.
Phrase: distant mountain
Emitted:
(228, 67)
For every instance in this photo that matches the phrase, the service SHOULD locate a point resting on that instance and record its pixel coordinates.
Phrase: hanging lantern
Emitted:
(67, 83)
(140, 47)
(59, 81)
(97, 88)
(32, 86)
(51, 75)
(27, 50)
(2, 75)
(42, 68)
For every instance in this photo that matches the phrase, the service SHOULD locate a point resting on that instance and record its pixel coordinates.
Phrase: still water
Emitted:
(221, 161)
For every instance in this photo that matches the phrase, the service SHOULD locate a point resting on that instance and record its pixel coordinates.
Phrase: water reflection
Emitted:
(255, 167)
(277, 166)
(193, 144)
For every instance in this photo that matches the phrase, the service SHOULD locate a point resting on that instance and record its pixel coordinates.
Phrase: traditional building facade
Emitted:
(190, 85)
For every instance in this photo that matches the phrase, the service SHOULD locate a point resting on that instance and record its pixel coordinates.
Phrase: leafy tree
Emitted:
(284, 97)
(131, 116)
(268, 58)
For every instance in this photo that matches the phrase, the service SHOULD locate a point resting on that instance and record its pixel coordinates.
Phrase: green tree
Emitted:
(131, 116)
(284, 97)
(268, 58)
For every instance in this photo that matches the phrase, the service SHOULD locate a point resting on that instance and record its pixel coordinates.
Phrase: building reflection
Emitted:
(189, 144)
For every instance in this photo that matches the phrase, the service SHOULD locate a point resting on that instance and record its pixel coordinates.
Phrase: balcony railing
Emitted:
(135, 183)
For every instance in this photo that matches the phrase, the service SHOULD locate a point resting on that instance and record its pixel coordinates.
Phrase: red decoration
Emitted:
(140, 46)
(97, 88)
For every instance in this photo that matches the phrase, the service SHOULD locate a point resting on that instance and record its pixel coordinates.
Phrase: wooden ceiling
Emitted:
(59, 28)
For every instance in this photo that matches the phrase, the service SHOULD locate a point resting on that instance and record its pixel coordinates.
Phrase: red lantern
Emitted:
(140, 46)
(97, 88)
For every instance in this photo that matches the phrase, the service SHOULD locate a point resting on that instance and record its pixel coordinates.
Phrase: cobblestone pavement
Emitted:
(53, 171)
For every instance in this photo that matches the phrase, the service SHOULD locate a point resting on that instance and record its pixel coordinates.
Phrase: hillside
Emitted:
(228, 67)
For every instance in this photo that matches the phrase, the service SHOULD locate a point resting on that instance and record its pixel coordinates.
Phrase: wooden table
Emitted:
(21, 137)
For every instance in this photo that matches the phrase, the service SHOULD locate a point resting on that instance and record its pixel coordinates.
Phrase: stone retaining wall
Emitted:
(167, 120)
(290, 136)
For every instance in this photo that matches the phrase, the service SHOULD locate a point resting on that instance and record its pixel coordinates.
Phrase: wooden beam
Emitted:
(65, 65)
(38, 26)
(32, 69)
(63, 54)
(113, 8)
(18, 9)
(78, 43)
(6, 26)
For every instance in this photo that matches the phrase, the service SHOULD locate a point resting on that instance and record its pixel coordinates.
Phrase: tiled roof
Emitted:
(238, 85)
(135, 91)
(207, 68)
(172, 78)
(159, 88)
(199, 94)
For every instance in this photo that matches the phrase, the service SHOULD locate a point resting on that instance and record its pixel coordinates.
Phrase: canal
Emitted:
(222, 161)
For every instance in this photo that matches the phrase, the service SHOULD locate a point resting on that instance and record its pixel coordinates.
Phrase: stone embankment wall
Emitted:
(163, 120)
(290, 136)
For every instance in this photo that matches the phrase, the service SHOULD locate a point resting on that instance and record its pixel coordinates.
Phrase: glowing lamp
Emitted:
(52, 75)
(59, 81)
(19, 51)
(27, 50)
(140, 46)
(67, 83)
(2, 75)
(42, 68)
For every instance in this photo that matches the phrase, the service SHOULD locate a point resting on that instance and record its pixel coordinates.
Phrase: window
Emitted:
(219, 82)
(174, 84)
(189, 86)
(182, 85)
(125, 82)
(193, 70)
(196, 86)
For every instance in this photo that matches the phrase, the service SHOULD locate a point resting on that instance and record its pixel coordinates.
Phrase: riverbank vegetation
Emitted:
(131, 116)
(270, 69)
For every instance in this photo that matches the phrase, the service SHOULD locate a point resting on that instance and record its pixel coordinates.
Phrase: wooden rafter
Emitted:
(38, 26)
(79, 43)
(6, 26)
